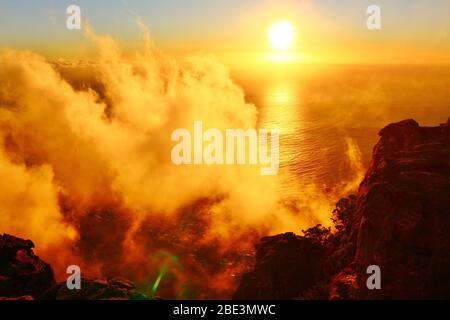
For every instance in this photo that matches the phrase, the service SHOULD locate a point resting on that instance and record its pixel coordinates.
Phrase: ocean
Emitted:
(329, 116)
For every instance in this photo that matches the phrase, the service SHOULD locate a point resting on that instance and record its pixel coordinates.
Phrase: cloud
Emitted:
(90, 171)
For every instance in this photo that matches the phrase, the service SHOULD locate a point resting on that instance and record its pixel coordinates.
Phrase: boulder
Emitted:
(286, 266)
(22, 273)
(97, 289)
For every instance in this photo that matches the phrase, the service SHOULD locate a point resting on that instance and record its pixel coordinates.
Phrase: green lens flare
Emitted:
(161, 274)
(167, 261)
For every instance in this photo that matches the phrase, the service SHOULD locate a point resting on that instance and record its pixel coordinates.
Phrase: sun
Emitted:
(282, 35)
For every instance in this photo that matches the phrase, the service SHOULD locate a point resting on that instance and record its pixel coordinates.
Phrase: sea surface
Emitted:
(329, 116)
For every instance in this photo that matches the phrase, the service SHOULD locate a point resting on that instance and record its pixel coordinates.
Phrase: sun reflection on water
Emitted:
(280, 110)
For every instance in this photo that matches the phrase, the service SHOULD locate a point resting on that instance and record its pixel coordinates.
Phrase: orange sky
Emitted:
(413, 31)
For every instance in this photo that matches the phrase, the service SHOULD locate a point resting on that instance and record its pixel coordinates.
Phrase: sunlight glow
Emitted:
(282, 35)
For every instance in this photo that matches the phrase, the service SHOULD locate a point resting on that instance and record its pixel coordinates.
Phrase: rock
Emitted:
(97, 289)
(17, 298)
(286, 266)
(403, 213)
(21, 272)
(23, 276)
(344, 285)
(400, 221)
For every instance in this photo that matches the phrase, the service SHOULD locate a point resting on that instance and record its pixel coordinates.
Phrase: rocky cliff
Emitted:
(399, 220)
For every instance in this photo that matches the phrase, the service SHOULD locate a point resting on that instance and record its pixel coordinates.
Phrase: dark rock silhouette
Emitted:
(399, 220)
(21, 272)
(403, 213)
(274, 272)
(23, 276)
(97, 289)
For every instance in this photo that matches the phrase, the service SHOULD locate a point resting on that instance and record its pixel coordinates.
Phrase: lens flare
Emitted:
(167, 261)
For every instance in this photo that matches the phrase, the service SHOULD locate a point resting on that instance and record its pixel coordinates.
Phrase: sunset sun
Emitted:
(282, 35)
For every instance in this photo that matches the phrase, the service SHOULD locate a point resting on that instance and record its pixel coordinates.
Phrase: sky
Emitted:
(327, 30)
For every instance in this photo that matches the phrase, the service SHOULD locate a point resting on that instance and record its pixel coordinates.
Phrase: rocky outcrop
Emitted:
(274, 271)
(22, 273)
(24, 276)
(97, 289)
(399, 221)
(403, 213)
